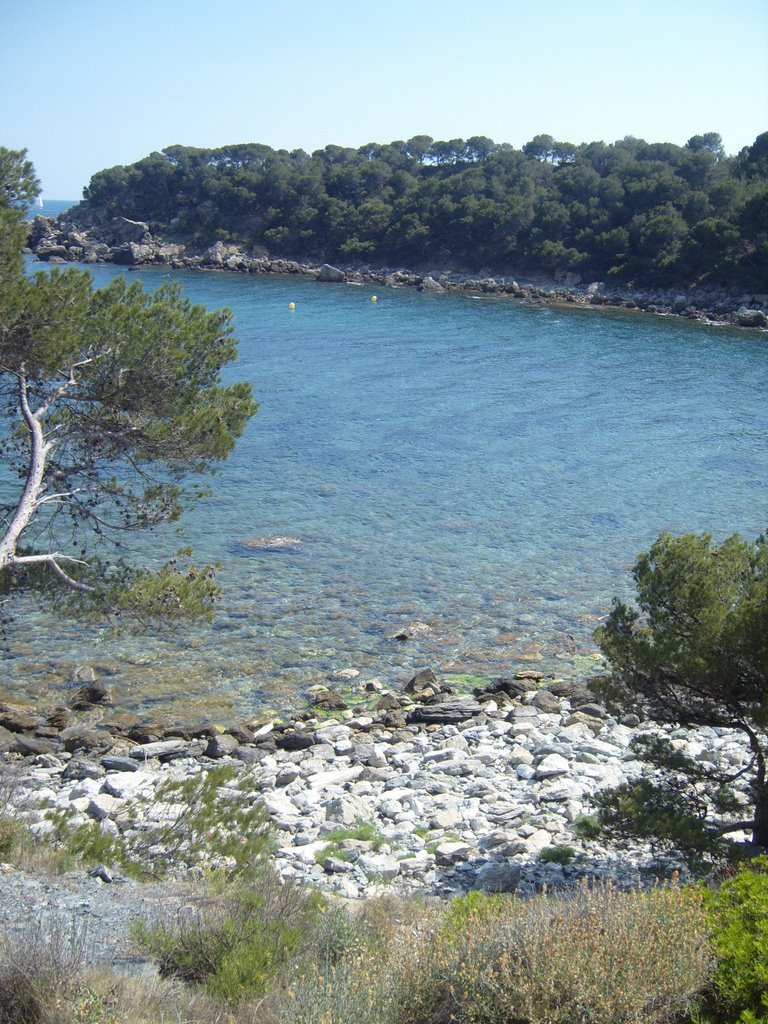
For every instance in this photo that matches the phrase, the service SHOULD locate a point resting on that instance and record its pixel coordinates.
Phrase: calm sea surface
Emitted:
(484, 467)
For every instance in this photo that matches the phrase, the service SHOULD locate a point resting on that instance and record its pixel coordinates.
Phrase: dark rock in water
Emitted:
(46, 732)
(388, 702)
(425, 680)
(531, 675)
(81, 737)
(17, 719)
(560, 687)
(446, 712)
(242, 733)
(92, 693)
(328, 700)
(60, 718)
(511, 687)
(330, 274)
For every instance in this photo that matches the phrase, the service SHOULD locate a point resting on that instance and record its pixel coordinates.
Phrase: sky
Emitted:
(91, 84)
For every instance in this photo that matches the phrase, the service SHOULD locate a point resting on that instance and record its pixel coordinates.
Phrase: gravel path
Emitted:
(76, 908)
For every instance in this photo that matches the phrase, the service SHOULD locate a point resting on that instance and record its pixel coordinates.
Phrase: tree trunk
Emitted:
(33, 486)
(760, 827)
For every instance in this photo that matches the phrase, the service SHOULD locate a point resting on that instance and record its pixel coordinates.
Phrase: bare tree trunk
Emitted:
(32, 496)
(39, 450)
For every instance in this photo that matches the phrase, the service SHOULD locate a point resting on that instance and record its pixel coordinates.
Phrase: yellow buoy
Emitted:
(291, 305)
(374, 299)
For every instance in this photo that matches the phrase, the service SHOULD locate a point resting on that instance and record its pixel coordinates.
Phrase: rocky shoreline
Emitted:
(417, 790)
(131, 244)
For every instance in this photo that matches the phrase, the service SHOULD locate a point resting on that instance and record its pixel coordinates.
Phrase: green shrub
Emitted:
(557, 855)
(739, 919)
(364, 831)
(14, 837)
(219, 828)
(476, 908)
(587, 827)
(238, 941)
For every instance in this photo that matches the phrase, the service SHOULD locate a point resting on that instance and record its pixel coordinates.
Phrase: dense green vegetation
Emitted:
(694, 652)
(628, 211)
(108, 401)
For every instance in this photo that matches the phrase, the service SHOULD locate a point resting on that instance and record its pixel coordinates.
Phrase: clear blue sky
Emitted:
(93, 83)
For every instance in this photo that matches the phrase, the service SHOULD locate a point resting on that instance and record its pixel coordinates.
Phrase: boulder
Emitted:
(92, 693)
(422, 682)
(221, 746)
(546, 701)
(746, 317)
(16, 719)
(429, 284)
(552, 765)
(498, 877)
(331, 275)
(296, 739)
(158, 749)
(121, 230)
(131, 253)
(29, 746)
(446, 712)
(328, 700)
(88, 740)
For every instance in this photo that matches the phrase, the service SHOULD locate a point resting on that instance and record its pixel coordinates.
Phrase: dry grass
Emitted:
(594, 956)
(40, 972)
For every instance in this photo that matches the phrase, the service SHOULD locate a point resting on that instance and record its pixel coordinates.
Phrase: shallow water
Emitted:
(488, 468)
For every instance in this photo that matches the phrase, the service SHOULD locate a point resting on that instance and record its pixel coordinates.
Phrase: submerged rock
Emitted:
(269, 543)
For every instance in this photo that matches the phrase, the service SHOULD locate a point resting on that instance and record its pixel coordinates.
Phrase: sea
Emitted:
(469, 481)
(50, 208)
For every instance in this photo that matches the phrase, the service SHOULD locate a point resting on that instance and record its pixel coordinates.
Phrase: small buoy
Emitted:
(291, 305)
(374, 299)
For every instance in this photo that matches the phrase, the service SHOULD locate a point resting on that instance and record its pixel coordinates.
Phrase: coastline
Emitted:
(130, 243)
(414, 790)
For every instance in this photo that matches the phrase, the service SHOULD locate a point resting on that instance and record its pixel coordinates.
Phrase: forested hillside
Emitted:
(628, 211)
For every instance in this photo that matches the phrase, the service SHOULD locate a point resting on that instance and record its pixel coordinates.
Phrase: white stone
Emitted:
(334, 778)
(103, 806)
(378, 865)
(125, 784)
(552, 764)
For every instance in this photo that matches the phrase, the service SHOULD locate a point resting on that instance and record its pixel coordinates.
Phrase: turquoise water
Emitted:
(487, 468)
